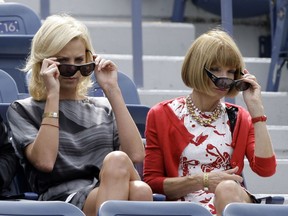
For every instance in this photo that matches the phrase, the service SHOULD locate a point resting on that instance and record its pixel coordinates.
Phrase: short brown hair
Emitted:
(216, 47)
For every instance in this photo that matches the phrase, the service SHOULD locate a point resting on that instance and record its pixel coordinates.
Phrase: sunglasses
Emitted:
(68, 70)
(227, 83)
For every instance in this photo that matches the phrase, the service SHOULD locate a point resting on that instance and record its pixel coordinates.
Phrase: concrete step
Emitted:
(246, 31)
(275, 103)
(164, 72)
(276, 184)
(158, 37)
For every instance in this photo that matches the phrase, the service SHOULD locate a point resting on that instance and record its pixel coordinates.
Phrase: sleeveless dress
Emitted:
(210, 151)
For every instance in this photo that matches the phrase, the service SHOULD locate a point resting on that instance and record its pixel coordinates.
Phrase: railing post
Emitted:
(137, 44)
(227, 25)
(44, 9)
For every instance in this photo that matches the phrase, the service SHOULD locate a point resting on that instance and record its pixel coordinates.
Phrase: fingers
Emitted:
(49, 65)
(247, 77)
(233, 175)
(233, 170)
(104, 64)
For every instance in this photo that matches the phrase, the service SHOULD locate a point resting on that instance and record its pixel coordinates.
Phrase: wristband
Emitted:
(50, 115)
(206, 182)
(259, 119)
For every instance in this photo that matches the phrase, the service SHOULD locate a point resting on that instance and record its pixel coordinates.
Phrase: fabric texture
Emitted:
(8, 159)
(87, 133)
(167, 137)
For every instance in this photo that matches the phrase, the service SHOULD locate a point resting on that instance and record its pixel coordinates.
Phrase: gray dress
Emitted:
(87, 133)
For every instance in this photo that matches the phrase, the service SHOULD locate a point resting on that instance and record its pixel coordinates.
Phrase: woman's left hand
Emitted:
(252, 96)
(105, 72)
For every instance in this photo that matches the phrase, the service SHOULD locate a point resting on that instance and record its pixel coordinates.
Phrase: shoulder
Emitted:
(27, 104)
(164, 104)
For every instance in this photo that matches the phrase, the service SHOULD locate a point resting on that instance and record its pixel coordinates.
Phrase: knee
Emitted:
(140, 191)
(116, 164)
(226, 189)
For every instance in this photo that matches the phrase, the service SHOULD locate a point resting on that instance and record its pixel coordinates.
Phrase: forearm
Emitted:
(263, 144)
(130, 138)
(178, 187)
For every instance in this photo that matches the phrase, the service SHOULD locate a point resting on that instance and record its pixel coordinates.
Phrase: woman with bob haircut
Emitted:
(75, 148)
(196, 144)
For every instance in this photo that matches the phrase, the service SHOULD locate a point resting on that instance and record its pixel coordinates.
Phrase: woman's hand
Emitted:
(50, 73)
(106, 73)
(252, 96)
(216, 177)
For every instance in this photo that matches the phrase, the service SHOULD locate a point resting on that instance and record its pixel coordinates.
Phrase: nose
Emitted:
(223, 73)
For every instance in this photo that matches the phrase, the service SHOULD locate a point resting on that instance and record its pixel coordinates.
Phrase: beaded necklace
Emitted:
(202, 118)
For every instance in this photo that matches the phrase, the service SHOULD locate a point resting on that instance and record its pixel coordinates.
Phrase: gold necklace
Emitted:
(199, 118)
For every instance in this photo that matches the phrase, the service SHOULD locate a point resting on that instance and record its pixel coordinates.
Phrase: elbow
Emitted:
(43, 166)
(137, 158)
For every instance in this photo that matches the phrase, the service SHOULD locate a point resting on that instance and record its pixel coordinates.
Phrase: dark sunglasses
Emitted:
(68, 70)
(227, 83)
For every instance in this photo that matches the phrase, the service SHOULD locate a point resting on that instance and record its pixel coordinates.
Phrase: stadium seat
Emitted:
(18, 24)
(241, 8)
(45, 208)
(146, 208)
(139, 113)
(8, 88)
(127, 86)
(249, 209)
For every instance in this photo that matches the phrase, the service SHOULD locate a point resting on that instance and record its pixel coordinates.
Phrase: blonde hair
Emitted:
(215, 47)
(54, 34)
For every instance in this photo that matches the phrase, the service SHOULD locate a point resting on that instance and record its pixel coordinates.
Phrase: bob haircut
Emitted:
(54, 34)
(214, 48)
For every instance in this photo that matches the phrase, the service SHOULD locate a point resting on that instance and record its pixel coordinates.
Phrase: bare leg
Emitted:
(118, 177)
(227, 192)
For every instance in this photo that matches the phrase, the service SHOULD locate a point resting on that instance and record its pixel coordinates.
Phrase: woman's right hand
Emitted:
(50, 73)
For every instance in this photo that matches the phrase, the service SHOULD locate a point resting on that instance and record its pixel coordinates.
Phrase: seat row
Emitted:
(137, 208)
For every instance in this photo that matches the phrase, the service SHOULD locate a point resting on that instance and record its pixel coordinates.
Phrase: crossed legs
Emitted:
(119, 181)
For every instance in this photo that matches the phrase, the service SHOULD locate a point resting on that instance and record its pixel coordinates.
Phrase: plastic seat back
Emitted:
(18, 24)
(8, 88)
(250, 209)
(127, 86)
(139, 114)
(148, 208)
(51, 208)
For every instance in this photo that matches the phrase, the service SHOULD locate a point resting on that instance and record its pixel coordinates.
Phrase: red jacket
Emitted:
(167, 137)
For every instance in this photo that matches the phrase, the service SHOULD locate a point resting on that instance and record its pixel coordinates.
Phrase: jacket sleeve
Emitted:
(8, 158)
(154, 158)
(244, 142)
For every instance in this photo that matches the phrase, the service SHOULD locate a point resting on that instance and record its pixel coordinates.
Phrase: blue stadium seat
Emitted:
(127, 86)
(8, 88)
(146, 208)
(18, 24)
(241, 8)
(45, 208)
(249, 209)
(139, 113)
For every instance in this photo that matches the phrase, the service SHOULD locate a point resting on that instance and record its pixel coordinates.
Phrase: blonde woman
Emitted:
(196, 144)
(75, 148)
